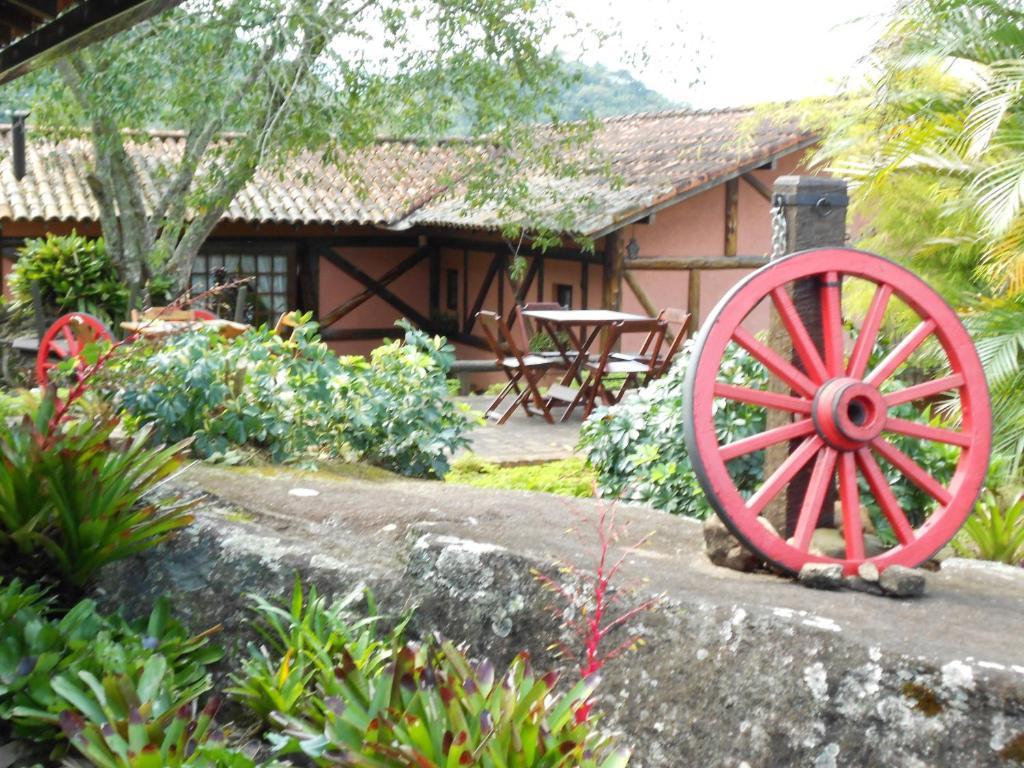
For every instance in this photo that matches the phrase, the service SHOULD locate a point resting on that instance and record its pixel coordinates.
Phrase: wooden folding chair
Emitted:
(677, 322)
(524, 370)
(636, 372)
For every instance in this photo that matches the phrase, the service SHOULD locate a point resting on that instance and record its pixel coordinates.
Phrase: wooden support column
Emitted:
(435, 280)
(809, 224)
(307, 279)
(732, 215)
(693, 299)
(614, 264)
(585, 284)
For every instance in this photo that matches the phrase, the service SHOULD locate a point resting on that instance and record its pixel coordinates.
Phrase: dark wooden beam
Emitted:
(493, 247)
(528, 278)
(585, 284)
(435, 281)
(693, 300)
(758, 185)
(732, 215)
(481, 297)
(353, 271)
(40, 9)
(641, 295)
(614, 262)
(307, 276)
(540, 278)
(465, 285)
(14, 18)
(84, 23)
(388, 277)
(701, 262)
(359, 334)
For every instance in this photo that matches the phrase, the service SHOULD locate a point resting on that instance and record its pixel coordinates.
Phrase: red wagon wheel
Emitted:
(839, 418)
(65, 339)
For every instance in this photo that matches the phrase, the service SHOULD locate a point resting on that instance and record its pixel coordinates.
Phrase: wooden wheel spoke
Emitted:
(832, 323)
(774, 362)
(54, 348)
(783, 474)
(883, 494)
(817, 488)
(762, 397)
(849, 500)
(917, 475)
(765, 439)
(69, 337)
(927, 432)
(900, 353)
(869, 331)
(923, 390)
(802, 342)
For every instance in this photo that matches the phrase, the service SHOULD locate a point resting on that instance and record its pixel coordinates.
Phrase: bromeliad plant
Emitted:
(434, 708)
(135, 721)
(300, 645)
(72, 498)
(36, 647)
(995, 531)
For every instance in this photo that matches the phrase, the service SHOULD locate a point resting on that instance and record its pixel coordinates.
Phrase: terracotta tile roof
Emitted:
(654, 158)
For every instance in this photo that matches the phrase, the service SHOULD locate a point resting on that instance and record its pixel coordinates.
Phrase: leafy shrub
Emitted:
(37, 647)
(433, 707)
(396, 407)
(995, 530)
(636, 447)
(74, 274)
(567, 477)
(295, 400)
(72, 498)
(301, 643)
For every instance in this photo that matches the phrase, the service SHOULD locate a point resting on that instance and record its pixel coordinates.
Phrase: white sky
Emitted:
(737, 51)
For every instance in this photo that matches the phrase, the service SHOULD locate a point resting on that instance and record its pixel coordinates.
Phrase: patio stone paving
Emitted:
(522, 439)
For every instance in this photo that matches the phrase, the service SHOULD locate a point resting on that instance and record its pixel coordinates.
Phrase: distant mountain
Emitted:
(607, 93)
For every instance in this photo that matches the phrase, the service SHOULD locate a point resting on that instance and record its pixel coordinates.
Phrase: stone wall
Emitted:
(736, 670)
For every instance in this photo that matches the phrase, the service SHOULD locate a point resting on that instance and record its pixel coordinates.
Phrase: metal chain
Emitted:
(778, 229)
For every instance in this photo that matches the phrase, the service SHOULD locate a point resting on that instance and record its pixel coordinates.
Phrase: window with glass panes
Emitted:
(270, 292)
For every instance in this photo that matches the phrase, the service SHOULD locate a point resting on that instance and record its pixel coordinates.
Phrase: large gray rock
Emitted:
(736, 669)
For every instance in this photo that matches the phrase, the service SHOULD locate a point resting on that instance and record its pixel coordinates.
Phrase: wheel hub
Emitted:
(848, 413)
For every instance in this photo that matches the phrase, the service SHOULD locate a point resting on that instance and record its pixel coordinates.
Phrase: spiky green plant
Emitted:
(134, 721)
(995, 530)
(300, 643)
(72, 498)
(434, 708)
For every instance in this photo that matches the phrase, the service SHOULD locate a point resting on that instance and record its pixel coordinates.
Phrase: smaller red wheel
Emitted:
(204, 315)
(66, 338)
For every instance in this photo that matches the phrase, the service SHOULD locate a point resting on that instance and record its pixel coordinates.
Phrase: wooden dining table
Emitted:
(574, 332)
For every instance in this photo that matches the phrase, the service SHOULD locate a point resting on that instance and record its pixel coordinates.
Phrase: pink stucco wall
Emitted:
(696, 228)
(336, 287)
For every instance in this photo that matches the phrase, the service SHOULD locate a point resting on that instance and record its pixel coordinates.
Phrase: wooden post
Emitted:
(693, 299)
(435, 282)
(614, 262)
(732, 214)
(815, 215)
